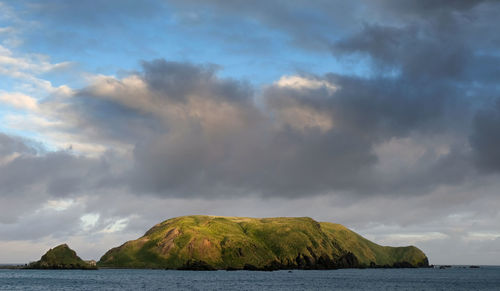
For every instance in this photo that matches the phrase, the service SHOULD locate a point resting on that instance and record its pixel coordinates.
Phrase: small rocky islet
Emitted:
(62, 257)
(239, 243)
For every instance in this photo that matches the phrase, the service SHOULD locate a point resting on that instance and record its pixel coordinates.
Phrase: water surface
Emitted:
(484, 278)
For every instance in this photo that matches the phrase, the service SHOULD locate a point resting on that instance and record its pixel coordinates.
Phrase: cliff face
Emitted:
(61, 257)
(211, 242)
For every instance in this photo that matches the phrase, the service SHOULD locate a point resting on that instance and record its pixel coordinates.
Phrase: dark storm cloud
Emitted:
(283, 163)
(213, 139)
(216, 141)
(389, 107)
(10, 145)
(58, 173)
(485, 138)
(422, 54)
(94, 12)
(25, 170)
(174, 80)
(107, 120)
(422, 7)
(35, 226)
(378, 111)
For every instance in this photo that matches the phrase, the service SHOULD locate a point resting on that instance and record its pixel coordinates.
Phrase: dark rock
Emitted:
(403, 265)
(273, 266)
(348, 260)
(197, 265)
(300, 261)
(423, 264)
(249, 267)
(325, 263)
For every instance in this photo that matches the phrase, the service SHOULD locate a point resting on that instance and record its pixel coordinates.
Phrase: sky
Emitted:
(380, 115)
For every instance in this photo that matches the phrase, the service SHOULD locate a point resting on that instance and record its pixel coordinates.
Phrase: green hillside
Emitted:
(60, 257)
(212, 242)
(367, 251)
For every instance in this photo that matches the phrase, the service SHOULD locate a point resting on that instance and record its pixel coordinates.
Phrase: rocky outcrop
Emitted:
(196, 265)
(61, 257)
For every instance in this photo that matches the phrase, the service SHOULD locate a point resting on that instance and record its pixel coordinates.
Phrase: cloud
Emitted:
(212, 139)
(28, 66)
(421, 8)
(485, 140)
(93, 12)
(197, 135)
(299, 83)
(11, 145)
(30, 176)
(19, 100)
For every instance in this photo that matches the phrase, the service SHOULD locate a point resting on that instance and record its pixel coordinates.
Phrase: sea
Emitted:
(454, 278)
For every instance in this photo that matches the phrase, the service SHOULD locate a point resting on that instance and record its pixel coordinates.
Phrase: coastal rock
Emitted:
(196, 265)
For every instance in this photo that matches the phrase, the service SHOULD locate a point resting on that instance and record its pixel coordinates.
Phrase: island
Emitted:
(61, 257)
(239, 243)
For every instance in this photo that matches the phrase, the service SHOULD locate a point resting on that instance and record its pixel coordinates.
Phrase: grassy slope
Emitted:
(234, 241)
(367, 251)
(60, 257)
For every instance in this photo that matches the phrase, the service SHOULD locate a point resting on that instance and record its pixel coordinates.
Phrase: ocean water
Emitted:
(484, 278)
